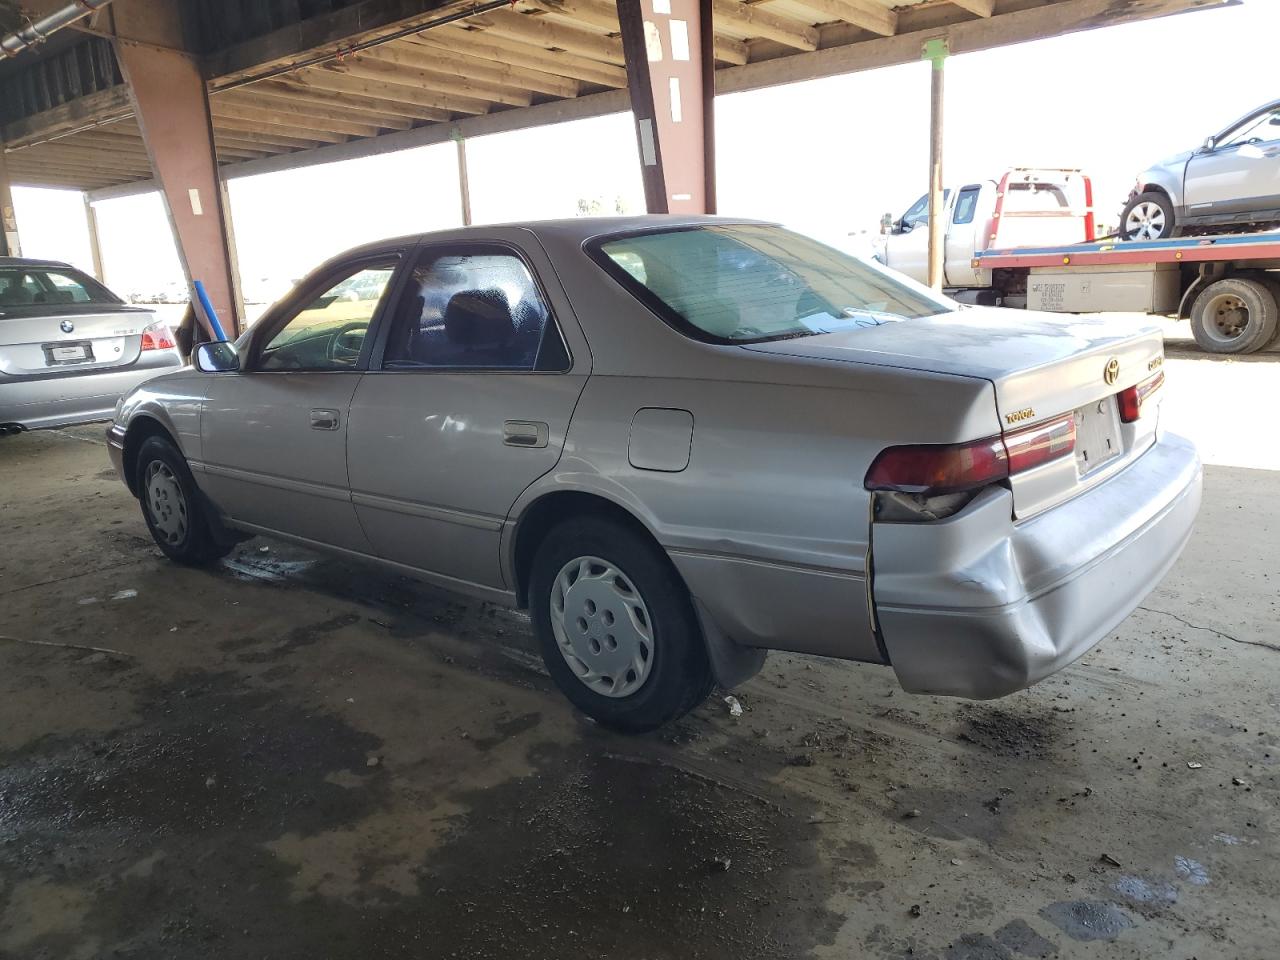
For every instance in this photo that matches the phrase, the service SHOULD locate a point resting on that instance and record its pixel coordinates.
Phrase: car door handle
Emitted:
(525, 433)
(325, 419)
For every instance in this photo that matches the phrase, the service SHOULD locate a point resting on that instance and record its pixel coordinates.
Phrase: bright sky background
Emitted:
(827, 157)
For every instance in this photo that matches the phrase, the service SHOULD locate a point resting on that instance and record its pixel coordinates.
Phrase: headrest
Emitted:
(478, 318)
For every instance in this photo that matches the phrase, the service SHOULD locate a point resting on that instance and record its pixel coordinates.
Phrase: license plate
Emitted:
(68, 354)
(1097, 435)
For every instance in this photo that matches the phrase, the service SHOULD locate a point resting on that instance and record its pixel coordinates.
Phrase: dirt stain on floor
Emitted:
(160, 834)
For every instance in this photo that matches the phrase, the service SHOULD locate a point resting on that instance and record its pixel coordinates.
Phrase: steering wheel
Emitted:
(346, 343)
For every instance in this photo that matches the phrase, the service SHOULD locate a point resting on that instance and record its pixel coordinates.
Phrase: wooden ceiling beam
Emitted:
(431, 94)
(285, 136)
(423, 70)
(381, 112)
(333, 130)
(538, 31)
(866, 14)
(343, 120)
(328, 80)
(981, 8)
(500, 49)
(751, 21)
(443, 58)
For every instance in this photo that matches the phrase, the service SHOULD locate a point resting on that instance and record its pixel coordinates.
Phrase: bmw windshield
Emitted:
(747, 283)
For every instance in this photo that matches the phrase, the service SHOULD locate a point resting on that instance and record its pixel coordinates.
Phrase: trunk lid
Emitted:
(1041, 367)
(70, 339)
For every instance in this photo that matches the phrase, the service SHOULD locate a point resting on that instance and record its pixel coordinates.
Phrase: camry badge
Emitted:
(67, 326)
(1111, 373)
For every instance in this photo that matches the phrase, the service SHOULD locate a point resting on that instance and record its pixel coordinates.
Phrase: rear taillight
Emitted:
(157, 336)
(932, 469)
(1130, 400)
(1039, 444)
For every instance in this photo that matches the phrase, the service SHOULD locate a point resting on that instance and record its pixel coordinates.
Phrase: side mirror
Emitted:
(217, 357)
(886, 223)
(1209, 144)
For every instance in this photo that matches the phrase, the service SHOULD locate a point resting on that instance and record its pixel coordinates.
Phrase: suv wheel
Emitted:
(616, 626)
(1148, 216)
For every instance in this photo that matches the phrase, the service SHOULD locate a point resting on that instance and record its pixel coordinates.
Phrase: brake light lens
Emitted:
(1131, 399)
(157, 336)
(933, 469)
(1041, 444)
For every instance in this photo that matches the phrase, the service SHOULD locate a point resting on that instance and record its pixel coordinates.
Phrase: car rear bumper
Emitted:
(978, 606)
(61, 401)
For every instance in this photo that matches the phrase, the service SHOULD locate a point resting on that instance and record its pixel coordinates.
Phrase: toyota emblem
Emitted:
(1111, 372)
(67, 326)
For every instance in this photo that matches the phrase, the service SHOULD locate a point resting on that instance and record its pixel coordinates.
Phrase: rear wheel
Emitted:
(1236, 315)
(616, 626)
(172, 506)
(1148, 216)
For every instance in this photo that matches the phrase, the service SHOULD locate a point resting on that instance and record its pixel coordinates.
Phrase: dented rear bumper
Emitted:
(980, 606)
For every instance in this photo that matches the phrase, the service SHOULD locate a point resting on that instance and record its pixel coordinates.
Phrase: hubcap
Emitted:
(1228, 317)
(602, 626)
(166, 505)
(1145, 222)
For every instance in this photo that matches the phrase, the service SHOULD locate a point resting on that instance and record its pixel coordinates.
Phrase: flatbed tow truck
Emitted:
(1227, 285)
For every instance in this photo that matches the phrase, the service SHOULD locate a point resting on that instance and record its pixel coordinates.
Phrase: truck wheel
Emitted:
(1234, 316)
(617, 628)
(1272, 283)
(1148, 216)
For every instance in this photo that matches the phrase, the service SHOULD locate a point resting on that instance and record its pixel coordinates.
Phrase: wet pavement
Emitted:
(289, 756)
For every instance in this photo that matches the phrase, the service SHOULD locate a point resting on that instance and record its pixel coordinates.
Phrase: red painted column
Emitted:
(669, 49)
(172, 107)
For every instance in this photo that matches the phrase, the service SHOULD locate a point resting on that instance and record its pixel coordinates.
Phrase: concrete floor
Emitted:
(291, 757)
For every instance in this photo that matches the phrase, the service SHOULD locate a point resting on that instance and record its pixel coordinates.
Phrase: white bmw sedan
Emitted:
(681, 442)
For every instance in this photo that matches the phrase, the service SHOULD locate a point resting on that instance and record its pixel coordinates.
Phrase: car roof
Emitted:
(573, 229)
(27, 262)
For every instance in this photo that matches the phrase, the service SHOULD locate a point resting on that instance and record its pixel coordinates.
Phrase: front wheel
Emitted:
(1148, 216)
(616, 625)
(172, 506)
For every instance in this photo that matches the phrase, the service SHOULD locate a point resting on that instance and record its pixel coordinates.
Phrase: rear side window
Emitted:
(476, 308)
(40, 288)
(966, 205)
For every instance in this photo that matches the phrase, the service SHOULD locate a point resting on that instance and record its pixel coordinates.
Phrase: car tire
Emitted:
(173, 506)
(1148, 216)
(1236, 315)
(1272, 283)
(616, 625)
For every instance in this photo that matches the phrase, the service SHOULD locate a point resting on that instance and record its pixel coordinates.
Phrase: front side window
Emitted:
(46, 287)
(746, 283)
(919, 212)
(329, 332)
(1260, 128)
(474, 308)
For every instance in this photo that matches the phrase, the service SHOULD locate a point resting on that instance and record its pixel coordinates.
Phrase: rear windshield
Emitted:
(746, 283)
(32, 291)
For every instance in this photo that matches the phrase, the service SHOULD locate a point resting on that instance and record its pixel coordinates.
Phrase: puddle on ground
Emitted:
(1192, 871)
(160, 833)
(1087, 919)
(1145, 890)
(1020, 937)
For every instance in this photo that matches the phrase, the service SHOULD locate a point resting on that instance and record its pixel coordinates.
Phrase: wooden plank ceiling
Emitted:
(531, 52)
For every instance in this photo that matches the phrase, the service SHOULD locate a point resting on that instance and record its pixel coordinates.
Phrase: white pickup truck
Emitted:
(1026, 207)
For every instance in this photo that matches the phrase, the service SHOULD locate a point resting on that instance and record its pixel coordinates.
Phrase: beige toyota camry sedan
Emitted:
(681, 443)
